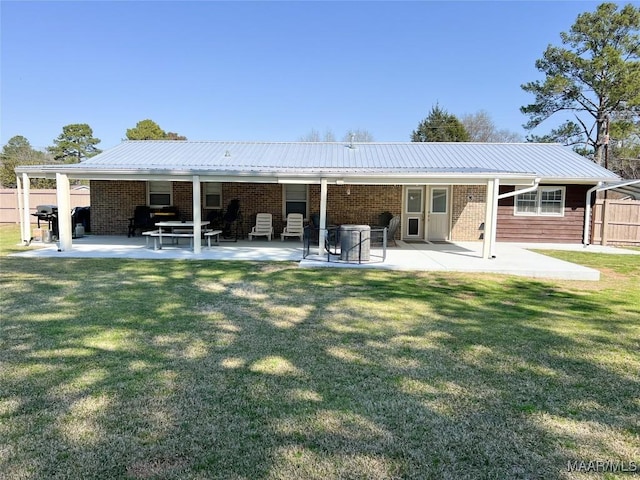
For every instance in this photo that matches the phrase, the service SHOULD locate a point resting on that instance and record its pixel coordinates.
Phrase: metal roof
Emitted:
(548, 161)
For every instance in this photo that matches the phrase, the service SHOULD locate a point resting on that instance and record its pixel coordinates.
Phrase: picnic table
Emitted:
(175, 230)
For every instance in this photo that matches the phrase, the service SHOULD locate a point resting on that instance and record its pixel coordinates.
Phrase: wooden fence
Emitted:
(9, 202)
(615, 222)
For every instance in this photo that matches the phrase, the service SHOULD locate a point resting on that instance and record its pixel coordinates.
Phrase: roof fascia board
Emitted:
(573, 181)
(274, 177)
(179, 178)
(467, 179)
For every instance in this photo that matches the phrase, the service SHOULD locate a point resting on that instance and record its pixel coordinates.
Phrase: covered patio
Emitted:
(512, 259)
(440, 192)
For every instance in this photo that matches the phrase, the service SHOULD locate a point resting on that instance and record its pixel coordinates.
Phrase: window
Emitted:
(160, 194)
(295, 199)
(212, 195)
(439, 200)
(544, 201)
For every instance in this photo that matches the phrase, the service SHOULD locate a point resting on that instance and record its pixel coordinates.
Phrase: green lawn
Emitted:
(199, 369)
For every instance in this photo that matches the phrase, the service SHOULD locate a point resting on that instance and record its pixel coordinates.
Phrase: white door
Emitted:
(438, 217)
(414, 213)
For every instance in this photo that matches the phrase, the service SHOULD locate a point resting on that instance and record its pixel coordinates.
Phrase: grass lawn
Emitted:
(140, 369)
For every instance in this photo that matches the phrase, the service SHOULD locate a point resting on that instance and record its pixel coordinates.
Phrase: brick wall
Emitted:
(113, 203)
(362, 205)
(255, 198)
(468, 204)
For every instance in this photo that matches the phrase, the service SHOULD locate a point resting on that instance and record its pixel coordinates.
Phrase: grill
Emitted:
(46, 209)
(49, 214)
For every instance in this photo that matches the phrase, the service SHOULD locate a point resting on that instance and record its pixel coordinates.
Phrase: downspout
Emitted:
(494, 229)
(587, 211)
(536, 184)
(587, 215)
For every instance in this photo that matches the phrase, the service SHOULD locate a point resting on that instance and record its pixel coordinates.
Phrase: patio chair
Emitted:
(384, 219)
(263, 226)
(294, 227)
(394, 223)
(232, 221)
(141, 220)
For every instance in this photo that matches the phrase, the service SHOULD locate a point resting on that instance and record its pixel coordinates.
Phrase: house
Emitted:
(442, 191)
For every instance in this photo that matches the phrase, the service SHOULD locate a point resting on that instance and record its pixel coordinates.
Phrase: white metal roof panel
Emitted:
(548, 161)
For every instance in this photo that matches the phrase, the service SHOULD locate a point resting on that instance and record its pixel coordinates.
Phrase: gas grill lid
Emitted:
(46, 209)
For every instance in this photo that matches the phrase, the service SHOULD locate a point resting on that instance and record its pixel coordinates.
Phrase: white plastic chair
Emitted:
(263, 227)
(294, 227)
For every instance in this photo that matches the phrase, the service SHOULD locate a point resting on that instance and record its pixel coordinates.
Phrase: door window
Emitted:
(414, 201)
(439, 200)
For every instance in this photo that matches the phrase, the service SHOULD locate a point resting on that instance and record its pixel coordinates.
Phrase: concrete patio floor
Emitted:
(511, 258)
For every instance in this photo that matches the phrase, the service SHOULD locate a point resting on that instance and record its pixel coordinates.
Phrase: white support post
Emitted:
(323, 216)
(494, 225)
(488, 219)
(64, 212)
(23, 240)
(197, 216)
(26, 216)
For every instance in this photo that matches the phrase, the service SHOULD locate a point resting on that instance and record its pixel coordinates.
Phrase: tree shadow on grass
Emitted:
(238, 370)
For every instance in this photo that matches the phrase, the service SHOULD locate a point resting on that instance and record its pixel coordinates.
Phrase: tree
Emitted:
(314, 136)
(569, 133)
(150, 130)
(17, 152)
(440, 126)
(75, 144)
(623, 150)
(358, 135)
(174, 136)
(481, 128)
(595, 75)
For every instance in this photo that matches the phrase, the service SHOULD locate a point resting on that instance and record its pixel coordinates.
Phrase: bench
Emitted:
(149, 233)
(212, 233)
(177, 234)
(157, 243)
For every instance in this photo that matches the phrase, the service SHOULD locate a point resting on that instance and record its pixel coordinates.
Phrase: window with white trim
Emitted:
(212, 192)
(295, 199)
(544, 201)
(160, 194)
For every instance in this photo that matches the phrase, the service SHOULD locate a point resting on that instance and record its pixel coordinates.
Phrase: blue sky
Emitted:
(268, 71)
